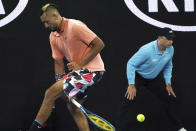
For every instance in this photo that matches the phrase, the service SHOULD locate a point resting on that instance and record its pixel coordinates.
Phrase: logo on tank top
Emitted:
(9, 10)
(178, 15)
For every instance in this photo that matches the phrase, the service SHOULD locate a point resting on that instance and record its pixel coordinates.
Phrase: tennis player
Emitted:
(151, 68)
(73, 40)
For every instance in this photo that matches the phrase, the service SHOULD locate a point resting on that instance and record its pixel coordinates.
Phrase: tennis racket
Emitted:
(95, 119)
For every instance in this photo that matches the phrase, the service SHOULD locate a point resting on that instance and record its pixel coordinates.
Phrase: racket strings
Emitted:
(101, 123)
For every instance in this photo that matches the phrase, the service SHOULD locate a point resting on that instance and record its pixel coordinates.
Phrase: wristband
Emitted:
(59, 76)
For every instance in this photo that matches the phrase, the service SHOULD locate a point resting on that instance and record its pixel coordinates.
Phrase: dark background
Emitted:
(27, 66)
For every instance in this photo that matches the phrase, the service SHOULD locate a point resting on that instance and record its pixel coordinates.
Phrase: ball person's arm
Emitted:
(167, 73)
(137, 59)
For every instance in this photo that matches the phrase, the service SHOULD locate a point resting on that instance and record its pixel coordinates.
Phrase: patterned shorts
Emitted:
(77, 82)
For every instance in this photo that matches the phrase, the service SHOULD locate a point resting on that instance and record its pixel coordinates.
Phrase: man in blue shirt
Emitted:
(151, 67)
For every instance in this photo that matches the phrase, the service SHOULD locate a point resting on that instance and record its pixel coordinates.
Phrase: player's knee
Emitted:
(50, 94)
(54, 91)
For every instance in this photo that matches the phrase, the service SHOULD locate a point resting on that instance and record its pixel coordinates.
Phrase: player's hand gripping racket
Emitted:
(95, 119)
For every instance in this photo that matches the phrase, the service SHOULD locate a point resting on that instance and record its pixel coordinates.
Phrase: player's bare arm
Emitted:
(96, 46)
(59, 66)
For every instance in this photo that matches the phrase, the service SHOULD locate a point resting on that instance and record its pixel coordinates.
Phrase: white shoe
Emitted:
(182, 129)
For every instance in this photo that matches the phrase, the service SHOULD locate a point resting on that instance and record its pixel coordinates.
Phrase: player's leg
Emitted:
(77, 114)
(51, 95)
(76, 83)
(79, 117)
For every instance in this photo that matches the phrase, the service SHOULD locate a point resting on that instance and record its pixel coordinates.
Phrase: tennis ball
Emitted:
(140, 117)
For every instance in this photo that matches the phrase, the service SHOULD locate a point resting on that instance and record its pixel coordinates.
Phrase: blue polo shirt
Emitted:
(149, 62)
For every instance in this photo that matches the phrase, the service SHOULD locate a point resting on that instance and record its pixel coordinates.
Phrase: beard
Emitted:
(53, 29)
(168, 46)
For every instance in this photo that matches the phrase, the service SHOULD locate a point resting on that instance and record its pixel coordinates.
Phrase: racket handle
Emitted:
(75, 103)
